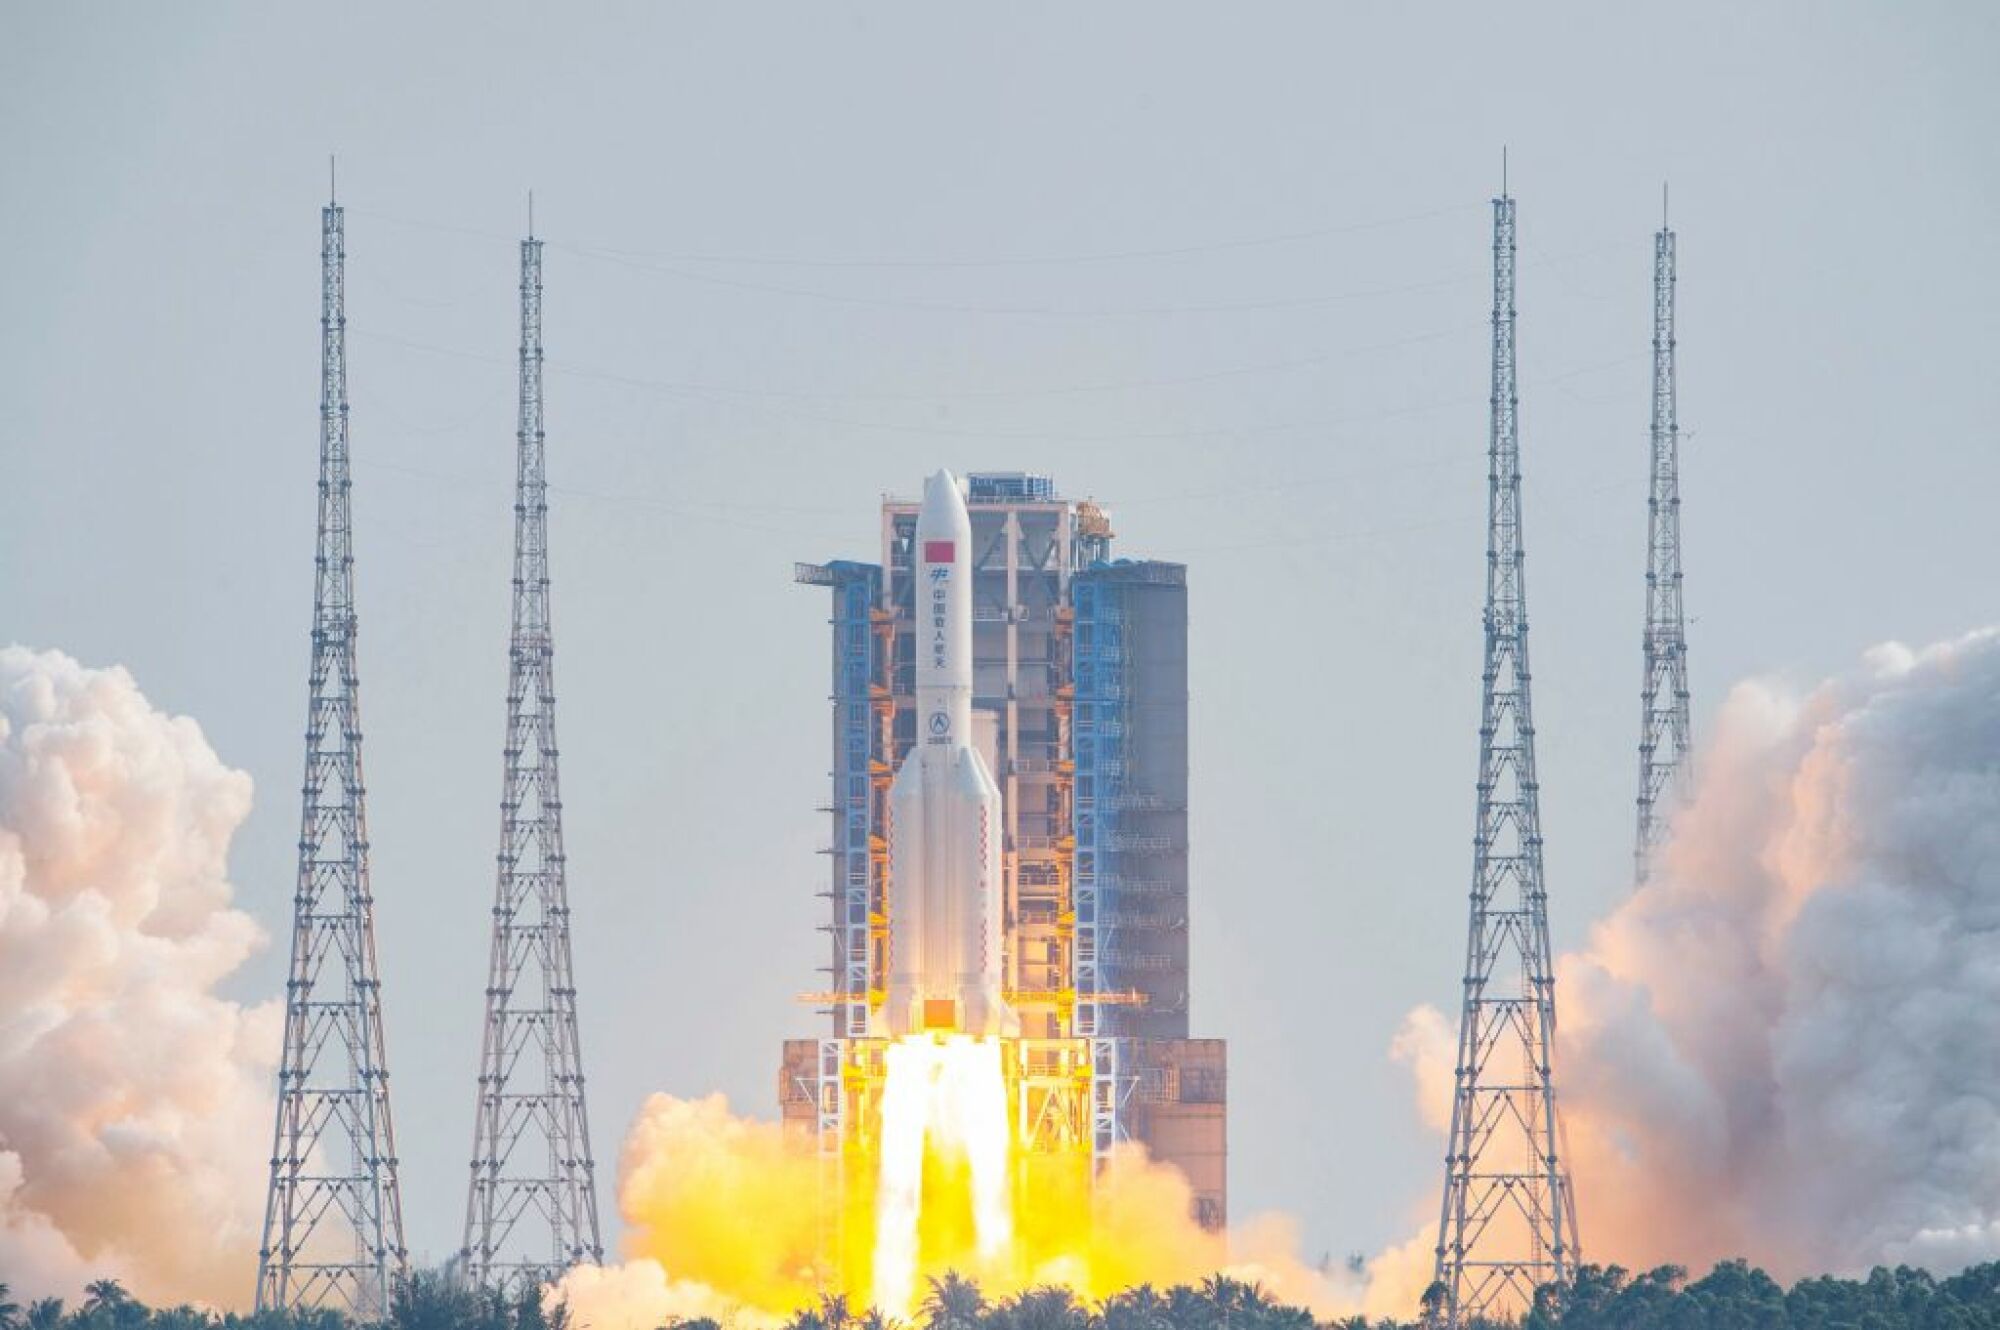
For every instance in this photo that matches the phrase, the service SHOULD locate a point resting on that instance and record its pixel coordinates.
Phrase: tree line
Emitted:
(1732, 1296)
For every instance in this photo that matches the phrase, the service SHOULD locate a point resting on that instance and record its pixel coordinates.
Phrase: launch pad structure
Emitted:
(1080, 712)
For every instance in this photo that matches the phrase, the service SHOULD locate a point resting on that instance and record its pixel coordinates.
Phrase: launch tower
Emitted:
(333, 1219)
(1508, 1218)
(531, 1210)
(1079, 711)
(1665, 732)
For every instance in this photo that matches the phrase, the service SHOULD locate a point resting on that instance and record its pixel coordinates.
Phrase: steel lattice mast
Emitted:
(1508, 1220)
(531, 1211)
(1665, 732)
(333, 1223)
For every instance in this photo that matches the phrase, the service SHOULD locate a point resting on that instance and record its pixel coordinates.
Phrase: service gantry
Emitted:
(1665, 733)
(333, 1220)
(531, 1210)
(1080, 710)
(1507, 1223)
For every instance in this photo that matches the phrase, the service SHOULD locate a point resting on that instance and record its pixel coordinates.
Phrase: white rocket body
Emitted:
(944, 808)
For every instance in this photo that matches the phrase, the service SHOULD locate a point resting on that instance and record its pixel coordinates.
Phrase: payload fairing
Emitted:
(944, 809)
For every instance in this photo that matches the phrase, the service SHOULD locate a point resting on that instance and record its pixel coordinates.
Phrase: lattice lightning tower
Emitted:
(1665, 733)
(333, 1223)
(1508, 1219)
(531, 1211)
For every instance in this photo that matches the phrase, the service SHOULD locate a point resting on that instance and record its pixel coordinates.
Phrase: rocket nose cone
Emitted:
(942, 487)
(944, 504)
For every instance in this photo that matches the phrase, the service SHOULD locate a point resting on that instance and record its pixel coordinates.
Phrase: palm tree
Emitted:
(954, 1303)
(833, 1311)
(1137, 1308)
(1049, 1307)
(10, 1311)
(183, 1317)
(1435, 1300)
(1188, 1310)
(104, 1295)
(44, 1314)
(1236, 1301)
(1225, 1295)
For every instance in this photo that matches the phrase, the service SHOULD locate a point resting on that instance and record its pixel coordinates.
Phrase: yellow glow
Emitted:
(944, 1170)
(957, 1185)
(735, 1218)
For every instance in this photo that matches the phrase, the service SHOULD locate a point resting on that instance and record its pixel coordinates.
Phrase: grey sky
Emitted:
(1254, 327)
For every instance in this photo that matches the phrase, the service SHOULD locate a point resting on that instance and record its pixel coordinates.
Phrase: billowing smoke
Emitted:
(721, 1221)
(1787, 1046)
(134, 1102)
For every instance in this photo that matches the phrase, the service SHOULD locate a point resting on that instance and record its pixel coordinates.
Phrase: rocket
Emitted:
(944, 808)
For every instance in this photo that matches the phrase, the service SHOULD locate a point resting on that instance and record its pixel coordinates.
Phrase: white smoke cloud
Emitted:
(134, 1102)
(638, 1295)
(1784, 1047)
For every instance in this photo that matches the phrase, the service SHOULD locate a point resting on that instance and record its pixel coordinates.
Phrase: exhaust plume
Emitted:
(722, 1221)
(1782, 1047)
(134, 1102)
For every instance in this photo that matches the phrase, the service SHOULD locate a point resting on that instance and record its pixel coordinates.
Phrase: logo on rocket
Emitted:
(944, 809)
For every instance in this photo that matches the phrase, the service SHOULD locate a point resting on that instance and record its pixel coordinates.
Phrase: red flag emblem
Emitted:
(938, 551)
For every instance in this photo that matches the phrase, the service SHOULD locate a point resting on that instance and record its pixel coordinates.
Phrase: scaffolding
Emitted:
(862, 713)
(1098, 736)
(837, 1082)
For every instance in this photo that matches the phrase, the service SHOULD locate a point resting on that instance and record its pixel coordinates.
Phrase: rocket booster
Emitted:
(944, 808)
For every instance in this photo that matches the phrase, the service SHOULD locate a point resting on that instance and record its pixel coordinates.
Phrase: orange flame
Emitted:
(724, 1212)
